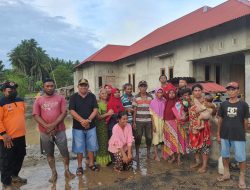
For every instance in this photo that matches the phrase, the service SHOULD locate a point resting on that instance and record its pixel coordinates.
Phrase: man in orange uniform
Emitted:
(12, 135)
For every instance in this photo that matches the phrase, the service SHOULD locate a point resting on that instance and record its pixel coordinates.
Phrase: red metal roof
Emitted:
(210, 87)
(194, 22)
(108, 53)
(199, 20)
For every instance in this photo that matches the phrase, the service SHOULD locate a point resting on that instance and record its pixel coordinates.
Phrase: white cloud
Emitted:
(74, 29)
(22, 21)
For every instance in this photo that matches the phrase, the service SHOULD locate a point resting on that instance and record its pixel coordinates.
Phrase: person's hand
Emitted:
(52, 133)
(130, 157)
(7, 141)
(154, 129)
(125, 158)
(110, 112)
(218, 138)
(134, 125)
(50, 127)
(85, 123)
(130, 110)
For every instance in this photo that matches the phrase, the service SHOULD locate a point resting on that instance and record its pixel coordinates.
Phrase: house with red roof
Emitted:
(210, 44)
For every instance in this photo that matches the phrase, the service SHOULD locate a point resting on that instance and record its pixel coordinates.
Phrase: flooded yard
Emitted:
(146, 175)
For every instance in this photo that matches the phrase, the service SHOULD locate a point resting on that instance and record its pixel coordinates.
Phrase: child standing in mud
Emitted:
(120, 143)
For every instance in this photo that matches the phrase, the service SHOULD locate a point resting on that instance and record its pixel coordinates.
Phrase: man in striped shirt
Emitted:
(142, 118)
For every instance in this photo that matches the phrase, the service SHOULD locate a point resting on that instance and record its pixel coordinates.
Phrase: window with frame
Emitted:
(133, 76)
(162, 71)
(207, 72)
(100, 82)
(171, 72)
(217, 74)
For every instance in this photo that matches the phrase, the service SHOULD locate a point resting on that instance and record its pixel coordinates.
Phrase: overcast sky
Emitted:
(74, 29)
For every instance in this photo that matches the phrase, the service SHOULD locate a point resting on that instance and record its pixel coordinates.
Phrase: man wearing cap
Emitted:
(83, 107)
(233, 122)
(12, 135)
(49, 110)
(142, 121)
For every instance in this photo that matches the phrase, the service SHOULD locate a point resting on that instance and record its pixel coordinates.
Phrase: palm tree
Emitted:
(1, 66)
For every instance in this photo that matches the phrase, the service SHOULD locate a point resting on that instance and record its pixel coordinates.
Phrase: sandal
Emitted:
(79, 171)
(94, 168)
(223, 178)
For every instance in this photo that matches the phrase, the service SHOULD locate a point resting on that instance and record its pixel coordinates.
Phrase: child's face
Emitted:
(171, 94)
(159, 94)
(186, 96)
(117, 94)
(128, 90)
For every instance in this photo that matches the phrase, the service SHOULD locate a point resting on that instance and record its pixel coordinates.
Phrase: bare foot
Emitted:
(224, 177)
(53, 178)
(156, 158)
(116, 170)
(197, 164)
(179, 163)
(172, 160)
(202, 170)
(148, 156)
(69, 175)
(242, 183)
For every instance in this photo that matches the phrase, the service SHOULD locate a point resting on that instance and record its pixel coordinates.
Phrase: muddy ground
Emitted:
(147, 175)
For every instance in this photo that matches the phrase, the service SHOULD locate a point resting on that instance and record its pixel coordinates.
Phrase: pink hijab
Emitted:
(158, 105)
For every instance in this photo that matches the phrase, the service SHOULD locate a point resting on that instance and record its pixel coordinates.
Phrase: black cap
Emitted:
(8, 84)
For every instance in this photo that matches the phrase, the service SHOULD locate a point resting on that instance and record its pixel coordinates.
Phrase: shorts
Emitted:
(48, 143)
(84, 140)
(239, 149)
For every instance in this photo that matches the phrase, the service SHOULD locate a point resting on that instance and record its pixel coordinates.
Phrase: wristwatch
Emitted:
(89, 120)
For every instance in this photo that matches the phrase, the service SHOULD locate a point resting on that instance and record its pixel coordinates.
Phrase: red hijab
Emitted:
(170, 103)
(114, 103)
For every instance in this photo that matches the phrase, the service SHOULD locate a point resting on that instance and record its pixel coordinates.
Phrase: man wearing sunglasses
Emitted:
(233, 122)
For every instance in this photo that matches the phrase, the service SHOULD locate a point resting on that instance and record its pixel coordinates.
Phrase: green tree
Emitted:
(1, 71)
(1, 66)
(20, 79)
(63, 76)
(31, 60)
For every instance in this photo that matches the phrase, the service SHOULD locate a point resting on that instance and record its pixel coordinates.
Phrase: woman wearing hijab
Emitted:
(156, 108)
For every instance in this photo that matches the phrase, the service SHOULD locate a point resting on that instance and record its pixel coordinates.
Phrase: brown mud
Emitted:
(148, 175)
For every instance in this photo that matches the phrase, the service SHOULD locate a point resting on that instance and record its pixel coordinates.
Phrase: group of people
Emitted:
(175, 118)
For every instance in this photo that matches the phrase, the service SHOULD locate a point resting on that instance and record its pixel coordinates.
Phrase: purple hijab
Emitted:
(158, 105)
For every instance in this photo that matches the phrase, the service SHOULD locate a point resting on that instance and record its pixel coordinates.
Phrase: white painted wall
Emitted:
(225, 39)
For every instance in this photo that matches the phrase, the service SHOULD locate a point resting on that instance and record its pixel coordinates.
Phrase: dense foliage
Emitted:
(31, 65)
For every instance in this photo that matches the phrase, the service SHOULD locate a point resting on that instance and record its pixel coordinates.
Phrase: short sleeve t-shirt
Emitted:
(49, 108)
(233, 115)
(142, 108)
(84, 107)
